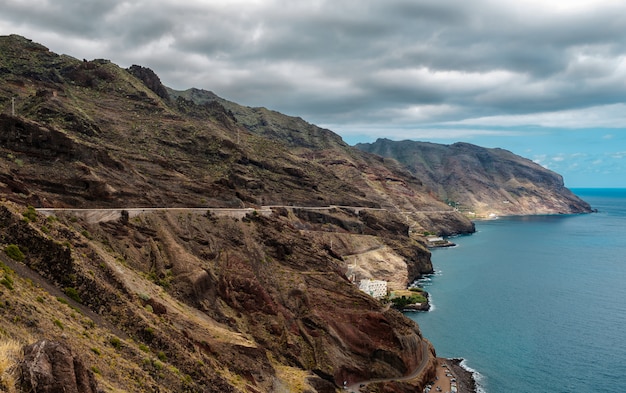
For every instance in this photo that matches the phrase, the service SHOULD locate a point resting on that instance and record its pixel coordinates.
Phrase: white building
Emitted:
(375, 288)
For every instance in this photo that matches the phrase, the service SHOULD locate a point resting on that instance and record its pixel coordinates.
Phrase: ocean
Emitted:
(536, 303)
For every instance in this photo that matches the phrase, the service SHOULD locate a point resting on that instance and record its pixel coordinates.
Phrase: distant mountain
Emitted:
(480, 180)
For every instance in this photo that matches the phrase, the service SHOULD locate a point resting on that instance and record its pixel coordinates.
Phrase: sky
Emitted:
(543, 79)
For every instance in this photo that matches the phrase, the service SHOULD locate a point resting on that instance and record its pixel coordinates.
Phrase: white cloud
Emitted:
(434, 134)
(404, 69)
(605, 116)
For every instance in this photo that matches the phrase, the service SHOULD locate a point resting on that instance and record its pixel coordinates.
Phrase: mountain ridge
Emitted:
(481, 181)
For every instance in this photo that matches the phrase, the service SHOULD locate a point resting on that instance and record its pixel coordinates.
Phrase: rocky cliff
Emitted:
(482, 181)
(176, 300)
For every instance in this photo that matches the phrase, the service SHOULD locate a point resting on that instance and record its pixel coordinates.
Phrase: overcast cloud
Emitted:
(439, 70)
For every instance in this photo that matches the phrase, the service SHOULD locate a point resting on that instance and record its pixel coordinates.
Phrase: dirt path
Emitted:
(26, 272)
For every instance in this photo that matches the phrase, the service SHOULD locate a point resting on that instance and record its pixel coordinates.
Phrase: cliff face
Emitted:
(483, 181)
(181, 301)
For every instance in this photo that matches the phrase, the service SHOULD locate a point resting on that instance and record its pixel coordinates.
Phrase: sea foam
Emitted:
(478, 377)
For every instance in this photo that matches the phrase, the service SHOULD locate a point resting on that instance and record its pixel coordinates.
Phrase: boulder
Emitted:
(50, 367)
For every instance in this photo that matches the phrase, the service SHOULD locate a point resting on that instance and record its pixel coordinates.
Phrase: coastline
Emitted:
(466, 378)
(451, 373)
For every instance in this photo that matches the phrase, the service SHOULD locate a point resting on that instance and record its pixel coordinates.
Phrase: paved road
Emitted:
(100, 215)
(418, 370)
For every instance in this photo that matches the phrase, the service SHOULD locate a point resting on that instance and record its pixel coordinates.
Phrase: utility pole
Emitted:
(12, 106)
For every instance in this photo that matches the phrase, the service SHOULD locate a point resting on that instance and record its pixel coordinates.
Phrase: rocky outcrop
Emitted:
(51, 367)
(151, 80)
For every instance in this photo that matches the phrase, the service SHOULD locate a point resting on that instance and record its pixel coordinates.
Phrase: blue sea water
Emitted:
(536, 303)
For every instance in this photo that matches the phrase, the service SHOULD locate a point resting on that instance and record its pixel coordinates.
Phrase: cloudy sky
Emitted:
(544, 79)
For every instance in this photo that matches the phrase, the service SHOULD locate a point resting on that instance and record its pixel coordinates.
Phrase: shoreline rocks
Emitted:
(417, 307)
(466, 380)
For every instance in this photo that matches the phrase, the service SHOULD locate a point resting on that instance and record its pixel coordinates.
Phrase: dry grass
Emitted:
(10, 356)
(291, 379)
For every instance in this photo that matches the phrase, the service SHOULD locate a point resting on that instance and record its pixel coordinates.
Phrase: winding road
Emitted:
(356, 387)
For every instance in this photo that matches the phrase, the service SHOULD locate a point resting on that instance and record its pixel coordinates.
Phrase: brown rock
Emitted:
(481, 180)
(50, 367)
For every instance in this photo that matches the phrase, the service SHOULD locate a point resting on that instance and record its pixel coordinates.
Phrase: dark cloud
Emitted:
(63, 17)
(400, 64)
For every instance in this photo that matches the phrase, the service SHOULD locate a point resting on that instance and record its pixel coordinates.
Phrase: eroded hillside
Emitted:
(192, 300)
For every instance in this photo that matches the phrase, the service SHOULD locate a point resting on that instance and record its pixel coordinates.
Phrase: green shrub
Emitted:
(7, 281)
(13, 251)
(72, 293)
(59, 324)
(115, 342)
(404, 301)
(30, 214)
(96, 351)
(149, 333)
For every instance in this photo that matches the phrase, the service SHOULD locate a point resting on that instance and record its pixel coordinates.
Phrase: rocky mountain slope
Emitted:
(482, 181)
(176, 300)
(197, 300)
